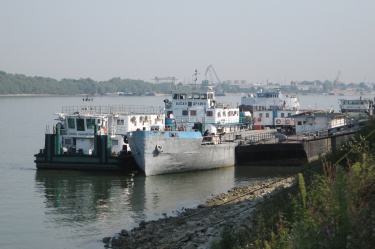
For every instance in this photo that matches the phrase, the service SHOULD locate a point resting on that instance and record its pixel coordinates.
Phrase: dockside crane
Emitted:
(214, 79)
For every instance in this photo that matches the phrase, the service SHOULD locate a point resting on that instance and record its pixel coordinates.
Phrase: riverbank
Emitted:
(197, 228)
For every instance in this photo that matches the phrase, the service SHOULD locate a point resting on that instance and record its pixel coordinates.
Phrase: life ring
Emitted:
(159, 148)
(278, 121)
(288, 121)
(259, 119)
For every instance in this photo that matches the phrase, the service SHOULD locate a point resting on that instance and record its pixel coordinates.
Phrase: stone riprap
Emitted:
(196, 228)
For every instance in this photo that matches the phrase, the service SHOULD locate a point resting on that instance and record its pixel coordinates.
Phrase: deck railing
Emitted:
(113, 109)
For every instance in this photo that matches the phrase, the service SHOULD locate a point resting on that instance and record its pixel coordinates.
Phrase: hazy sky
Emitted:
(253, 40)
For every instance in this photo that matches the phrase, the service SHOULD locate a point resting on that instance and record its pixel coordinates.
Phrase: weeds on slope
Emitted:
(334, 208)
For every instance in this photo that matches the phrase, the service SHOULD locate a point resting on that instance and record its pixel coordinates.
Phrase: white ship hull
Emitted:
(171, 152)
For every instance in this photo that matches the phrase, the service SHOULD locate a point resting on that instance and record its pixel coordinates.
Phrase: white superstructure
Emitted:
(271, 109)
(357, 106)
(77, 125)
(198, 110)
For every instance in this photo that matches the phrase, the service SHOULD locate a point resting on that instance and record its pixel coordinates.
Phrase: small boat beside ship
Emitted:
(94, 137)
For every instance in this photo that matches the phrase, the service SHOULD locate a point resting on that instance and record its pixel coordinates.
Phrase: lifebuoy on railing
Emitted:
(288, 121)
(259, 119)
(278, 121)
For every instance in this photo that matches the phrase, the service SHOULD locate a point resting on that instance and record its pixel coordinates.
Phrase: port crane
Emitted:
(214, 79)
(336, 80)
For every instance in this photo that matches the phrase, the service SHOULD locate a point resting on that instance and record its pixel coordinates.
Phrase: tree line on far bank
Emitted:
(22, 84)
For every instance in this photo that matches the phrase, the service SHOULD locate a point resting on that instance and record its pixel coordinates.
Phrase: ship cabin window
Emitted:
(114, 142)
(185, 112)
(261, 115)
(71, 123)
(68, 141)
(120, 122)
(209, 113)
(289, 114)
(282, 115)
(267, 115)
(193, 113)
(204, 96)
(299, 123)
(196, 96)
(80, 124)
(90, 123)
(179, 96)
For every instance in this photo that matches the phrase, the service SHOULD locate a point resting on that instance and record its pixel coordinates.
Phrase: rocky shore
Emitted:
(198, 227)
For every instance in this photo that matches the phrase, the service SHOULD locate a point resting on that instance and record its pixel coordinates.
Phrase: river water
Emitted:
(72, 209)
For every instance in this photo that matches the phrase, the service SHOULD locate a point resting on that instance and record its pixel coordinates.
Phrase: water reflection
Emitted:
(81, 197)
(73, 197)
(174, 191)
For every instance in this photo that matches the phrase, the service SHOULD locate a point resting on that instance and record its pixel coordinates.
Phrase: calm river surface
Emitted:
(71, 209)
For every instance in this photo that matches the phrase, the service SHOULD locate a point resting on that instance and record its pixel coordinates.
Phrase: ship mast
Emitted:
(196, 77)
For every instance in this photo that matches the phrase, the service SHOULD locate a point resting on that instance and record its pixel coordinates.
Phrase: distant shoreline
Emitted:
(345, 93)
(71, 95)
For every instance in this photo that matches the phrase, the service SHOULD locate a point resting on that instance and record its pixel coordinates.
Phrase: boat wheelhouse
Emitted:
(198, 110)
(357, 106)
